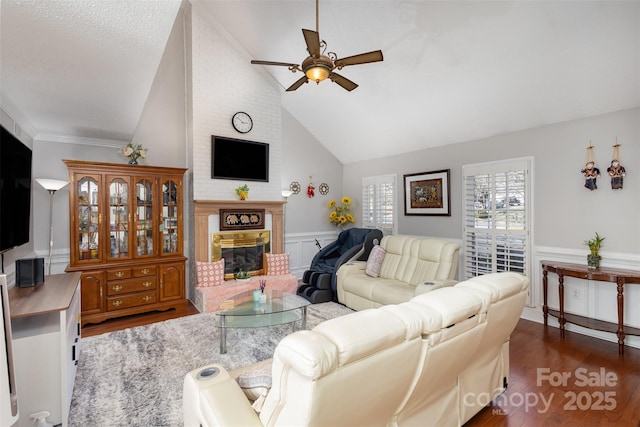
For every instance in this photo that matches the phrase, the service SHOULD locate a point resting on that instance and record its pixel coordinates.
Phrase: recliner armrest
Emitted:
(432, 285)
(215, 400)
(352, 267)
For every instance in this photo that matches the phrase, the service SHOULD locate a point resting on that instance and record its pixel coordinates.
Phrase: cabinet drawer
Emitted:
(132, 285)
(118, 303)
(119, 274)
(145, 271)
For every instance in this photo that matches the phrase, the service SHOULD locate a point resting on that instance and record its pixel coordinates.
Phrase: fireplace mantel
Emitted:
(204, 208)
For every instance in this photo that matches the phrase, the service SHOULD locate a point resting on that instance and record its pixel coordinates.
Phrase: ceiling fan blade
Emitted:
(302, 80)
(363, 58)
(284, 64)
(343, 81)
(312, 38)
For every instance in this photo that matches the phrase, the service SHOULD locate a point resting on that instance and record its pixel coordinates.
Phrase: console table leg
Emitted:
(545, 308)
(561, 318)
(620, 333)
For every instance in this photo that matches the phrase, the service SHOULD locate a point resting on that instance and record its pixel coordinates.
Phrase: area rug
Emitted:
(134, 377)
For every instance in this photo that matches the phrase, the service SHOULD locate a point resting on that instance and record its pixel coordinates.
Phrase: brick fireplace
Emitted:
(205, 208)
(209, 298)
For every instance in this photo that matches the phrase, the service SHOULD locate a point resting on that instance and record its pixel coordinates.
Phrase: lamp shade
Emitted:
(51, 184)
(317, 73)
(286, 193)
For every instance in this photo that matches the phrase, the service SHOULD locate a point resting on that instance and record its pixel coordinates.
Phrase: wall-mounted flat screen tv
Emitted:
(15, 191)
(239, 159)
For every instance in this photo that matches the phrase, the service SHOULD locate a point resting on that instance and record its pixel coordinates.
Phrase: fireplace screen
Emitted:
(241, 251)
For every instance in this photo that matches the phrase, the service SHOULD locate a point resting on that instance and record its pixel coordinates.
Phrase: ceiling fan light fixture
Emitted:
(317, 73)
(317, 69)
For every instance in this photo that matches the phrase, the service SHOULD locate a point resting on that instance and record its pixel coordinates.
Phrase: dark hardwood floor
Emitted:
(600, 387)
(578, 381)
(136, 320)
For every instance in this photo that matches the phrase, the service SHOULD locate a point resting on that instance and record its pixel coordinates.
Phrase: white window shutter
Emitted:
(378, 203)
(497, 217)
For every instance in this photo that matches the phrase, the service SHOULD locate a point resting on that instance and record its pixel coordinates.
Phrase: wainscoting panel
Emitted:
(590, 298)
(302, 248)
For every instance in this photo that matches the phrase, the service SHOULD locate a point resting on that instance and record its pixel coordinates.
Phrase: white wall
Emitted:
(223, 82)
(304, 156)
(162, 125)
(565, 213)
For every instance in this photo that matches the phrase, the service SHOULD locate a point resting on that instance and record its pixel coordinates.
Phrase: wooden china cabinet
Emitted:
(126, 237)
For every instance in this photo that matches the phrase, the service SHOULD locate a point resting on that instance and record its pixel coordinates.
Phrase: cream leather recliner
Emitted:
(411, 266)
(419, 363)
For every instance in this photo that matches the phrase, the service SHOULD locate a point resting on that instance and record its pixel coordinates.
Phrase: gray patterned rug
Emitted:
(134, 377)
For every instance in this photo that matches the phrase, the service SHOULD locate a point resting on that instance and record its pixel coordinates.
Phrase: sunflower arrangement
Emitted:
(339, 214)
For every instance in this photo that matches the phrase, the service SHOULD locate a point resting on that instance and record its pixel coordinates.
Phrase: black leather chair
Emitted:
(320, 280)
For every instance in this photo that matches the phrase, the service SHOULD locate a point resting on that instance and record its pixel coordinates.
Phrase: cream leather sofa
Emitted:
(412, 266)
(433, 361)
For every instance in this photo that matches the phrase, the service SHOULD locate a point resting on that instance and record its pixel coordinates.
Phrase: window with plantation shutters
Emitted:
(497, 217)
(378, 203)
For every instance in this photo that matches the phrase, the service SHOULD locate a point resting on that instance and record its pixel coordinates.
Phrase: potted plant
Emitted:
(242, 275)
(593, 259)
(243, 192)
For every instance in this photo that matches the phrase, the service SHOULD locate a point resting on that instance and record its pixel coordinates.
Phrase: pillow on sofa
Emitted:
(255, 379)
(374, 262)
(210, 273)
(277, 264)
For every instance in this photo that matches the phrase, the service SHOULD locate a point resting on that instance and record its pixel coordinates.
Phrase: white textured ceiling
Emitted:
(82, 68)
(452, 71)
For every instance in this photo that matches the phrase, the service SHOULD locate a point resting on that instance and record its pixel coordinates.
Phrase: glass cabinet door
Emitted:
(144, 218)
(88, 219)
(118, 218)
(169, 217)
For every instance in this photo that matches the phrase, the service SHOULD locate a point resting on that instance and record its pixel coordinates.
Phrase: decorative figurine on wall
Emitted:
(616, 170)
(311, 189)
(591, 172)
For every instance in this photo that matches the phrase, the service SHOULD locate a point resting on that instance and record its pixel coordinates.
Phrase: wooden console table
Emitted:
(613, 275)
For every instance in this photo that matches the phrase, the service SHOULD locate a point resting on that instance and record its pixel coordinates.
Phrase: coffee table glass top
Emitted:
(241, 311)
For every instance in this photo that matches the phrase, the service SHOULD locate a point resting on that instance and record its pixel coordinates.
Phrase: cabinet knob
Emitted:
(117, 303)
(146, 284)
(116, 288)
(120, 274)
(146, 298)
(145, 271)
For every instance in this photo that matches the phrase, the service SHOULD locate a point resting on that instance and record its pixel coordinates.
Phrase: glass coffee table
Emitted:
(241, 311)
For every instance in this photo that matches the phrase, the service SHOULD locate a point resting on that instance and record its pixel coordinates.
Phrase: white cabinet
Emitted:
(46, 346)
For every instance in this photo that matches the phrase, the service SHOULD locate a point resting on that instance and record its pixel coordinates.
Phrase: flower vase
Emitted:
(133, 161)
(593, 261)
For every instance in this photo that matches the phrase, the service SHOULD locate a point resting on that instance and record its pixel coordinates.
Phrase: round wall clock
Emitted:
(242, 122)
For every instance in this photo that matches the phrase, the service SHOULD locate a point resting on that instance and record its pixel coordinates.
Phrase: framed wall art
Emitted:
(427, 193)
(241, 219)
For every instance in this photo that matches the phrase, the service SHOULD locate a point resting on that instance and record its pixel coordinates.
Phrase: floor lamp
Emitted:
(51, 185)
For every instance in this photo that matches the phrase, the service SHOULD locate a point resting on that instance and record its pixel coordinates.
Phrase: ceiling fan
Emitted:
(319, 66)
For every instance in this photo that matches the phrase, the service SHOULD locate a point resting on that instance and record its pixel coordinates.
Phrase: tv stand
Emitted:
(45, 321)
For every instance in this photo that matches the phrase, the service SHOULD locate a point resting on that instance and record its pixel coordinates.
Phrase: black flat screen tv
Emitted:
(239, 159)
(15, 191)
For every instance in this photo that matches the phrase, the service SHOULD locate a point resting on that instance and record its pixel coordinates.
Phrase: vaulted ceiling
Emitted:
(453, 71)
